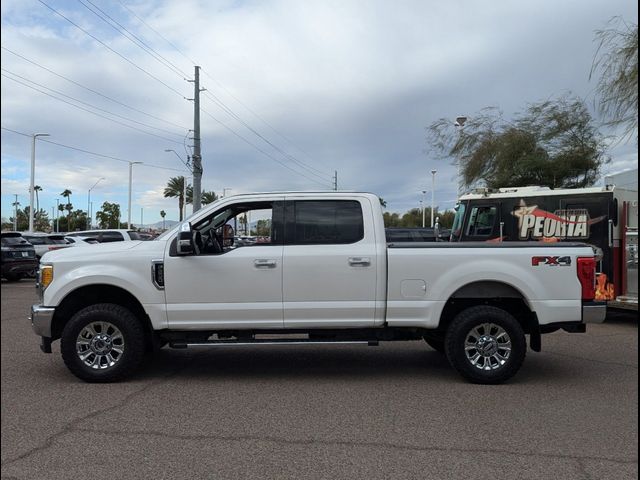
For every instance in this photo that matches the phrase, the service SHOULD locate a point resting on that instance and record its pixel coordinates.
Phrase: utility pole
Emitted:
(129, 211)
(422, 206)
(141, 217)
(460, 121)
(197, 156)
(335, 180)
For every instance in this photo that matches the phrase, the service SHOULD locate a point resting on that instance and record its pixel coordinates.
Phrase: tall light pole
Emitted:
(460, 121)
(131, 164)
(33, 176)
(422, 205)
(89, 203)
(433, 195)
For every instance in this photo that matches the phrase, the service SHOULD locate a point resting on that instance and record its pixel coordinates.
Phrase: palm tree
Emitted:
(36, 189)
(68, 207)
(175, 188)
(163, 214)
(205, 197)
(208, 197)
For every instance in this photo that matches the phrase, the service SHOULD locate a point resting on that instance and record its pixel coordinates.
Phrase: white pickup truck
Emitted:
(323, 273)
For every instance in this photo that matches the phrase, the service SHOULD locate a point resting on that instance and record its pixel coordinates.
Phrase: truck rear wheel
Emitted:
(485, 344)
(103, 343)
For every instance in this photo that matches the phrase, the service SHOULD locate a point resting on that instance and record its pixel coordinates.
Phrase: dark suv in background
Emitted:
(18, 257)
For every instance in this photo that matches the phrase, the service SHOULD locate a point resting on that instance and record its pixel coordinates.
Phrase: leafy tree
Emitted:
(75, 219)
(175, 188)
(552, 143)
(383, 202)
(263, 228)
(40, 222)
(616, 61)
(109, 216)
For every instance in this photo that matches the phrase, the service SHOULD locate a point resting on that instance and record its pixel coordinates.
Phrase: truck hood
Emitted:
(99, 251)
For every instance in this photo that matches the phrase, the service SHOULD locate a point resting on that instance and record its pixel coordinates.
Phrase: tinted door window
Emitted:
(322, 222)
(111, 237)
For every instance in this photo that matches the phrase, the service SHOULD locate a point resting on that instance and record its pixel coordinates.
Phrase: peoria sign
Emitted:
(536, 223)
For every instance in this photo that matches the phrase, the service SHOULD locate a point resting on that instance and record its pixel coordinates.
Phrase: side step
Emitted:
(271, 341)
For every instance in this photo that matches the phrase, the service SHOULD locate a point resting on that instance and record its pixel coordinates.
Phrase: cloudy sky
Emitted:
(294, 91)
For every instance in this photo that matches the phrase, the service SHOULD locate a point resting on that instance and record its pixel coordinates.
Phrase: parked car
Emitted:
(45, 242)
(18, 257)
(108, 235)
(80, 241)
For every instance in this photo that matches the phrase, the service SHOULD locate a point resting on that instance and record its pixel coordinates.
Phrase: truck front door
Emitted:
(229, 283)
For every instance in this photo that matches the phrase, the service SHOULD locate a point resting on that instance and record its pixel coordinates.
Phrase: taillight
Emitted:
(587, 277)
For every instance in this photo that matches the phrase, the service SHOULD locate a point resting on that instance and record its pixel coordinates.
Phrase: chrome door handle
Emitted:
(264, 263)
(359, 261)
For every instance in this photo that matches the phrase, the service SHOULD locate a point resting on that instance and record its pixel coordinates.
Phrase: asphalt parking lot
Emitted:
(393, 411)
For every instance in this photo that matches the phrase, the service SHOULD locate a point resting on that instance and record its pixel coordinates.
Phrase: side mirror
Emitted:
(184, 242)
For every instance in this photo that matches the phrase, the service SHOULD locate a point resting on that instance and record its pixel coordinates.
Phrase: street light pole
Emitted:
(433, 196)
(422, 204)
(131, 164)
(57, 215)
(89, 204)
(33, 176)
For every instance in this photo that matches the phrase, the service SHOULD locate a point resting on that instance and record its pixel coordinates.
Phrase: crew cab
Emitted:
(325, 274)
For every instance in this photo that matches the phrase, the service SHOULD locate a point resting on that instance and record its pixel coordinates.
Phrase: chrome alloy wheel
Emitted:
(487, 346)
(100, 345)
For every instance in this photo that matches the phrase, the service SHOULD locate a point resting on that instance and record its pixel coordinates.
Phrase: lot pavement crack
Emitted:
(350, 443)
(71, 426)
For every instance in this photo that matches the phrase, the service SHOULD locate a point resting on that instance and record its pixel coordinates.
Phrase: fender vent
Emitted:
(157, 274)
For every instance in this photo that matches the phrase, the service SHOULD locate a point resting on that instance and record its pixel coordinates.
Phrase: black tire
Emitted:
(489, 367)
(436, 343)
(130, 338)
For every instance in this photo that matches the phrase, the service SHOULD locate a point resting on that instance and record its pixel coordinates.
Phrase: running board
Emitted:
(284, 341)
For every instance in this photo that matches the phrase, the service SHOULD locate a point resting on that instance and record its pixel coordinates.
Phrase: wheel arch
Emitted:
(88, 295)
(495, 293)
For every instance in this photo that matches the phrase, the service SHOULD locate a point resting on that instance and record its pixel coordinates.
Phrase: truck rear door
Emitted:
(329, 263)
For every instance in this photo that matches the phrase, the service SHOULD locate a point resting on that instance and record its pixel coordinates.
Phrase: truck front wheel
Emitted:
(103, 343)
(485, 344)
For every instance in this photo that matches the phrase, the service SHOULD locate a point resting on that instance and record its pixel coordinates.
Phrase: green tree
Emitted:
(40, 222)
(68, 207)
(552, 143)
(163, 214)
(206, 197)
(616, 62)
(175, 188)
(263, 228)
(36, 189)
(109, 216)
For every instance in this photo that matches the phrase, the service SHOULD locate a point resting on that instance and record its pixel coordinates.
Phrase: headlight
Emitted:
(46, 276)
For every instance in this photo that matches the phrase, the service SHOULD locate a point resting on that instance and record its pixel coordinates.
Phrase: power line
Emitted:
(111, 49)
(156, 32)
(105, 17)
(89, 152)
(312, 170)
(263, 138)
(93, 91)
(262, 151)
(85, 109)
(250, 110)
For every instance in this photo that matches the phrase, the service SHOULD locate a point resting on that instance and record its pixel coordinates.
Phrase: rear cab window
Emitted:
(106, 237)
(324, 222)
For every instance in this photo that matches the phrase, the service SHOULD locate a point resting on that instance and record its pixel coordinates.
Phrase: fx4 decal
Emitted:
(555, 261)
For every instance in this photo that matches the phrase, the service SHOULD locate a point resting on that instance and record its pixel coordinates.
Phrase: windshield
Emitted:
(456, 229)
